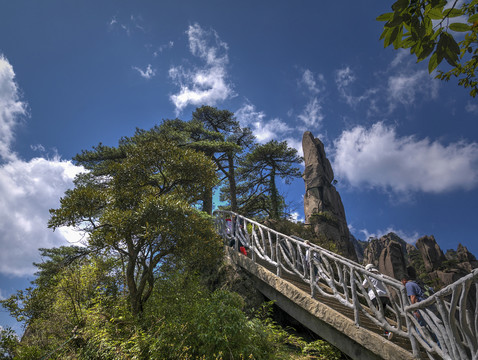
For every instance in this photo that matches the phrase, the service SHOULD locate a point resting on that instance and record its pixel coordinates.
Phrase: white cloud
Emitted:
(134, 22)
(206, 85)
(295, 216)
(147, 73)
(38, 147)
(28, 190)
(296, 144)
(309, 81)
(471, 108)
(406, 88)
(247, 115)
(312, 115)
(11, 108)
(115, 23)
(163, 47)
(378, 157)
(400, 57)
(263, 130)
(409, 238)
(270, 130)
(344, 78)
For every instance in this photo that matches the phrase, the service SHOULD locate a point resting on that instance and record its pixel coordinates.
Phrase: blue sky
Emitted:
(404, 146)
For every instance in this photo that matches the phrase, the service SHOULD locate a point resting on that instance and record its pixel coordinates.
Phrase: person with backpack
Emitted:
(416, 294)
(414, 291)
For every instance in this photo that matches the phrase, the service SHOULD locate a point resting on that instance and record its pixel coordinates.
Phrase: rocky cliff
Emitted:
(423, 261)
(323, 208)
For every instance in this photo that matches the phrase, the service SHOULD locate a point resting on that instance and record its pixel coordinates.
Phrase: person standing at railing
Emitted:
(307, 258)
(379, 289)
(415, 294)
(234, 228)
(231, 229)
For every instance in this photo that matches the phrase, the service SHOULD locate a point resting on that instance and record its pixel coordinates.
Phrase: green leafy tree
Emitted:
(258, 172)
(426, 28)
(240, 139)
(135, 201)
(8, 343)
(193, 134)
(69, 283)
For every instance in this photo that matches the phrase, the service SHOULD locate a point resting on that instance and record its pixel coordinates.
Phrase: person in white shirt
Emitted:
(379, 289)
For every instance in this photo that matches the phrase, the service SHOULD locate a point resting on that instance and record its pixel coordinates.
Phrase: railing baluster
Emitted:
(355, 301)
(278, 253)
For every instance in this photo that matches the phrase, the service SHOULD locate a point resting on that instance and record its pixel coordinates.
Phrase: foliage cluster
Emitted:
(248, 171)
(425, 27)
(257, 192)
(324, 216)
(88, 317)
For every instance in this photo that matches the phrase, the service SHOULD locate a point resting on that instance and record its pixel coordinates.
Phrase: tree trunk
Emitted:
(207, 201)
(274, 197)
(134, 295)
(232, 183)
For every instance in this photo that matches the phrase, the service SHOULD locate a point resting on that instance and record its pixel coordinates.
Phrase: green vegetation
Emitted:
(303, 231)
(427, 29)
(324, 216)
(81, 312)
(258, 195)
(137, 288)
(216, 134)
(138, 207)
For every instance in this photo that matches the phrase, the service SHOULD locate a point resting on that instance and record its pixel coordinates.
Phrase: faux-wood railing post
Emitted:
(279, 269)
(253, 239)
(354, 297)
(311, 272)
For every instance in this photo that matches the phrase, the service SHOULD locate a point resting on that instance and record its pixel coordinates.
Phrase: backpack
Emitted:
(243, 250)
(427, 291)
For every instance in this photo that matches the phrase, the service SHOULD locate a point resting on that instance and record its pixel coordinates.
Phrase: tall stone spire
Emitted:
(323, 208)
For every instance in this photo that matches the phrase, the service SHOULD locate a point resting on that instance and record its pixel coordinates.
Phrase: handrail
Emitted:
(449, 333)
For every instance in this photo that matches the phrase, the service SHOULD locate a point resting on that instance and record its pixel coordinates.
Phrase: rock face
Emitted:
(359, 247)
(323, 206)
(392, 260)
(466, 260)
(431, 253)
(427, 262)
(388, 254)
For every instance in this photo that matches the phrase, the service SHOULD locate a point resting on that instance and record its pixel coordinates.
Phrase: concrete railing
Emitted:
(449, 333)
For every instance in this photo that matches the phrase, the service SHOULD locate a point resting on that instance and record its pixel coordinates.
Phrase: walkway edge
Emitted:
(332, 326)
